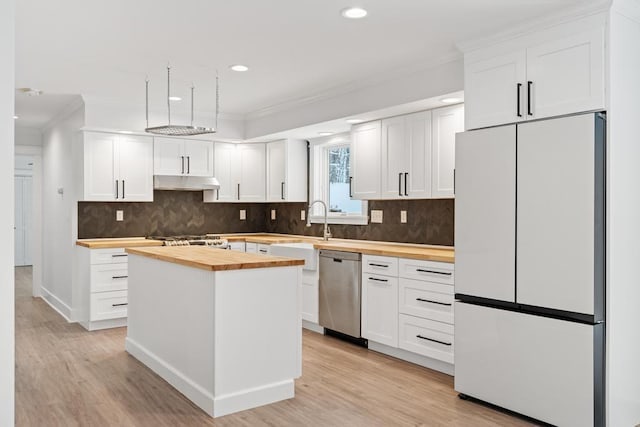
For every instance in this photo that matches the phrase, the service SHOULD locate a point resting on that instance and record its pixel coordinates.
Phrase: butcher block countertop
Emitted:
(421, 252)
(213, 259)
(127, 242)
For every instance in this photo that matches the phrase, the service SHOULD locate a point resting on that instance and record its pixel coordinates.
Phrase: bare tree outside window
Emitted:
(339, 199)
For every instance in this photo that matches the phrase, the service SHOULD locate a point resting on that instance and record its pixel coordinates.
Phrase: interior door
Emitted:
(19, 241)
(485, 213)
(556, 199)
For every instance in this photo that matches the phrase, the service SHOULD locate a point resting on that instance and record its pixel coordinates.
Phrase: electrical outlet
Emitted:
(376, 217)
(303, 215)
(273, 214)
(119, 215)
(243, 215)
(403, 217)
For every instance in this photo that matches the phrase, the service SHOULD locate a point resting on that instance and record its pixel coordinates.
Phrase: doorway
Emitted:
(23, 225)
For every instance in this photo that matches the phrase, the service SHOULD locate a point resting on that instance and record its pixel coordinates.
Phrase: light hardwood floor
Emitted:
(66, 376)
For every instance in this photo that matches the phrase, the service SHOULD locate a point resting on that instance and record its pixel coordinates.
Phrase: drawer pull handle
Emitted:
(118, 255)
(432, 340)
(263, 251)
(433, 302)
(378, 280)
(444, 273)
(119, 277)
(378, 265)
(119, 305)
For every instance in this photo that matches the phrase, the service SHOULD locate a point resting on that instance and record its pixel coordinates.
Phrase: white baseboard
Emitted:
(312, 326)
(104, 324)
(57, 304)
(427, 362)
(252, 398)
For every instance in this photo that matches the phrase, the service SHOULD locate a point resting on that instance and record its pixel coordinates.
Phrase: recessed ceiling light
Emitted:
(239, 67)
(354, 12)
(175, 98)
(325, 133)
(15, 117)
(354, 121)
(30, 91)
(450, 100)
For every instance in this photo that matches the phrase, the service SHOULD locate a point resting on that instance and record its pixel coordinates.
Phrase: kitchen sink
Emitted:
(300, 250)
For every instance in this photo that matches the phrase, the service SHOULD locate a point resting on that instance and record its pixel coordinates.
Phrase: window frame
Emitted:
(319, 188)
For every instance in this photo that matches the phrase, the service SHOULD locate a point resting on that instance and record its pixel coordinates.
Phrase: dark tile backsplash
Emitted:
(183, 212)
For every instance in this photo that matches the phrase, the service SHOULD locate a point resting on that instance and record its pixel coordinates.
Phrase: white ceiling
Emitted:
(37, 111)
(295, 48)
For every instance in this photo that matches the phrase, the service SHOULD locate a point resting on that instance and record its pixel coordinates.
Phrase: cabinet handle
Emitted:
(433, 302)
(350, 186)
(518, 88)
(378, 265)
(117, 188)
(263, 251)
(217, 194)
(434, 272)
(529, 84)
(119, 277)
(400, 184)
(118, 255)
(432, 340)
(188, 165)
(282, 190)
(182, 157)
(454, 181)
(238, 191)
(406, 177)
(123, 189)
(378, 280)
(119, 305)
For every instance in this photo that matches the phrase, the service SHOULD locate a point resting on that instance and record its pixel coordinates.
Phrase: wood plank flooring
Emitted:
(66, 376)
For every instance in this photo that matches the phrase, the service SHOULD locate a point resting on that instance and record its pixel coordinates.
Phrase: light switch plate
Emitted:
(403, 217)
(303, 215)
(273, 214)
(119, 215)
(376, 216)
(243, 214)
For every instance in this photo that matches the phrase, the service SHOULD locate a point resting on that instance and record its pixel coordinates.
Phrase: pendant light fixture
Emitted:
(180, 130)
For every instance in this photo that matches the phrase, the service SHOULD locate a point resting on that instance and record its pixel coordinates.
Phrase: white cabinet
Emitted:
(251, 248)
(551, 77)
(182, 157)
(446, 122)
(287, 171)
(365, 161)
(406, 156)
(237, 246)
(117, 167)
(241, 171)
(379, 301)
(263, 249)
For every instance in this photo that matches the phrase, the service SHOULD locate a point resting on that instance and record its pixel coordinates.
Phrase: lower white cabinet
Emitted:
(380, 308)
(428, 300)
(263, 249)
(237, 246)
(426, 337)
(108, 305)
(251, 248)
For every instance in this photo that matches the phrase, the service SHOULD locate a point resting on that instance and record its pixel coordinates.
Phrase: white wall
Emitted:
(623, 315)
(28, 136)
(59, 228)
(7, 340)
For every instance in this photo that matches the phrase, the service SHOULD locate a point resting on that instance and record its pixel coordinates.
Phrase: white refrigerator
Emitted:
(530, 268)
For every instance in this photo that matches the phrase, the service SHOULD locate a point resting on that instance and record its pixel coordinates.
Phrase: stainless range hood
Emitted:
(185, 183)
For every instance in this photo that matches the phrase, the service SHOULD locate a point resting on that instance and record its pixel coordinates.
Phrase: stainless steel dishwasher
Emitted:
(340, 288)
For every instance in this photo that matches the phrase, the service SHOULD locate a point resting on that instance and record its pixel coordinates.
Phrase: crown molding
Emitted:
(551, 20)
(628, 8)
(353, 86)
(67, 111)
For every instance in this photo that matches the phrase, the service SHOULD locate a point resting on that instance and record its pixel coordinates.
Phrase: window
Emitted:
(331, 182)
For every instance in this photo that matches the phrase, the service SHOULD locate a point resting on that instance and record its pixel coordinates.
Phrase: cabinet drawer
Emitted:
(439, 272)
(384, 265)
(108, 256)
(432, 301)
(426, 337)
(263, 249)
(109, 277)
(108, 305)
(251, 248)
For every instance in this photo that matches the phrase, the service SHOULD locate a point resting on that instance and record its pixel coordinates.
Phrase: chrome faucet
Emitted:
(327, 232)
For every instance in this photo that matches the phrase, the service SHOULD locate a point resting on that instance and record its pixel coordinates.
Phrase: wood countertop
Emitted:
(213, 259)
(128, 242)
(421, 252)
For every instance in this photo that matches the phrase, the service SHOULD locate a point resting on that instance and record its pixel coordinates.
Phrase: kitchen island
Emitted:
(222, 327)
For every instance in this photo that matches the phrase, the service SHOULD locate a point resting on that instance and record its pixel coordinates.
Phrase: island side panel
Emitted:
(170, 325)
(258, 336)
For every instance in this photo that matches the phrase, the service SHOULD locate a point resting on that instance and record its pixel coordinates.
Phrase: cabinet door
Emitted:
(567, 75)
(393, 158)
(380, 309)
(491, 90)
(134, 165)
(446, 123)
(417, 180)
(276, 171)
(485, 213)
(365, 161)
(198, 157)
(225, 161)
(251, 172)
(99, 170)
(168, 156)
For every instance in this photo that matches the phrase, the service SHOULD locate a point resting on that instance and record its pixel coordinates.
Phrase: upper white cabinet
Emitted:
(117, 168)
(550, 77)
(446, 122)
(287, 171)
(240, 169)
(365, 161)
(182, 157)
